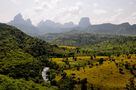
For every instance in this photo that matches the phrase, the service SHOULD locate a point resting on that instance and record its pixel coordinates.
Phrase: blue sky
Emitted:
(99, 11)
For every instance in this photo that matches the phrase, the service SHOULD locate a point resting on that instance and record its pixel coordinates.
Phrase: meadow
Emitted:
(102, 72)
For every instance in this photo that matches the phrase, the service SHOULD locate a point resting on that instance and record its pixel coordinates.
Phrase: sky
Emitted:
(62, 11)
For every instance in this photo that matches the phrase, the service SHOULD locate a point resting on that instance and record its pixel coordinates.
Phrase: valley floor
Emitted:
(113, 73)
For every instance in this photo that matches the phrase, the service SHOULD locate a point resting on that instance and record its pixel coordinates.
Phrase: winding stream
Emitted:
(44, 73)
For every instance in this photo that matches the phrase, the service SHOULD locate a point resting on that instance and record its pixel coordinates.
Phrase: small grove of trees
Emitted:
(66, 83)
(84, 84)
(51, 76)
(69, 82)
(101, 61)
(65, 60)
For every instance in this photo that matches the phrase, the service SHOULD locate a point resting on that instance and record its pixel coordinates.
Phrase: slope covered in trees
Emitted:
(7, 83)
(23, 57)
(100, 43)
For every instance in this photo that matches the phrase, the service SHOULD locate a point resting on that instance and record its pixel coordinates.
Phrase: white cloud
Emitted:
(99, 11)
(36, 1)
(95, 4)
(66, 13)
(132, 2)
(48, 3)
(115, 17)
(131, 18)
(72, 10)
(69, 13)
(104, 16)
(41, 10)
(41, 5)
(119, 10)
(16, 1)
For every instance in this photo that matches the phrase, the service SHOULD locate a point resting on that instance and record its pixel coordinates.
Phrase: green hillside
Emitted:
(7, 83)
(23, 57)
(95, 43)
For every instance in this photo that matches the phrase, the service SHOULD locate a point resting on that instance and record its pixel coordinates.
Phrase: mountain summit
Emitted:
(84, 22)
(18, 19)
(84, 25)
(24, 25)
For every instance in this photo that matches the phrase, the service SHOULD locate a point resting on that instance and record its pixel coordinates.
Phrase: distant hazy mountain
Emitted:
(24, 25)
(84, 25)
(107, 28)
(84, 22)
(69, 25)
(49, 26)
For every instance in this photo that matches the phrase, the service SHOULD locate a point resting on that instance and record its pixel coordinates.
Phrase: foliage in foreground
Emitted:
(7, 83)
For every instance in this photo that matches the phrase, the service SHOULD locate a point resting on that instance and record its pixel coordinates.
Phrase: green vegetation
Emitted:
(100, 44)
(96, 61)
(101, 72)
(82, 61)
(7, 83)
(24, 57)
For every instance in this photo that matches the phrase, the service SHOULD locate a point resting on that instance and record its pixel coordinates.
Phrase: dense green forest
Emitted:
(7, 83)
(23, 57)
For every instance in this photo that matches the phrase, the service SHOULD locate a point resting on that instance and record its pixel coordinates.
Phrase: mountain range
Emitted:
(84, 25)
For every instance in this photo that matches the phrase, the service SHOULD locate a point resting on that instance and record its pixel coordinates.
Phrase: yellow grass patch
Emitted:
(68, 47)
(106, 75)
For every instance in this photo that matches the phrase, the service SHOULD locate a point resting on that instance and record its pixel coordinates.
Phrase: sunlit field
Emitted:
(107, 75)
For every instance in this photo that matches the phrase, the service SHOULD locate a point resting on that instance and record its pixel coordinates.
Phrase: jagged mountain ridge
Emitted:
(24, 25)
(84, 25)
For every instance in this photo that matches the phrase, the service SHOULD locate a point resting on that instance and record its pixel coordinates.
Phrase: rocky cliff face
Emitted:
(84, 25)
(84, 22)
(24, 25)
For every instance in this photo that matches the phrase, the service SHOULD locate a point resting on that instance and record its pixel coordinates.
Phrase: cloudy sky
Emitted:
(99, 11)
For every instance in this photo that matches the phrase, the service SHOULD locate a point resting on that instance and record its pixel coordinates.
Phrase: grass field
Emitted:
(68, 47)
(106, 75)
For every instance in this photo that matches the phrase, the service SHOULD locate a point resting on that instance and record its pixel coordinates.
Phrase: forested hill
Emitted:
(13, 38)
(82, 38)
(98, 43)
(23, 57)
